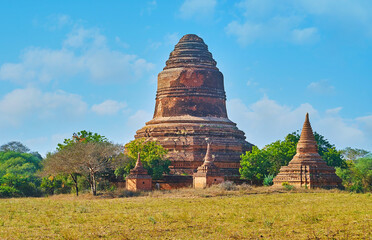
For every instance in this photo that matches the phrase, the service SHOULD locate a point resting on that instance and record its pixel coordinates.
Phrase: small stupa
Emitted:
(138, 179)
(208, 173)
(307, 169)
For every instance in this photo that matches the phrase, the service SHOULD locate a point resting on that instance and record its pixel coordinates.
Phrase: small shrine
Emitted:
(138, 179)
(307, 168)
(208, 173)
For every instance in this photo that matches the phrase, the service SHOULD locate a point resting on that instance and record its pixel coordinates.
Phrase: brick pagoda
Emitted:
(138, 179)
(208, 173)
(307, 167)
(190, 107)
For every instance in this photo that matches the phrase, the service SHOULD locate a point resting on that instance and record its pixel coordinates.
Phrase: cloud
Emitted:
(274, 29)
(295, 21)
(321, 87)
(266, 121)
(30, 103)
(197, 9)
(138, 120)
(108, 107)
(84, 52)
(306, 35)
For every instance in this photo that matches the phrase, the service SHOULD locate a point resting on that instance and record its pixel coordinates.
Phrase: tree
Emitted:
(254, 165)
(268, 161)
(88, 159)
(152, 157)
(14, 146)
(18, 174)
(82, 137)
(353, 153)
(357, 177)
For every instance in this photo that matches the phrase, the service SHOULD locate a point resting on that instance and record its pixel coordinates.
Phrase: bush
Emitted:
(227, 185)
(268, 180)
(287, 186)
(6, 192)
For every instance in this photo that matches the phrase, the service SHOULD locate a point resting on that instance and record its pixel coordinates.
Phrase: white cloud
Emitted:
(197, 9)
(321, 87)
(305, 35)
(138, 120)
(274, 29)
(29, 104)
(84, 53)
(108, 107)
(172, 38)
(266, 121)
(263, 20)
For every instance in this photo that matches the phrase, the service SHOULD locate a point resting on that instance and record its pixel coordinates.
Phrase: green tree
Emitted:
(357, 177)
(18, 174)
(82, 137)
(14, 146)
(152, 157)
(353, 153)
(254, 165)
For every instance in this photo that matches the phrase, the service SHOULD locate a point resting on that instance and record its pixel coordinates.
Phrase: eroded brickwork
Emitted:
(190, 108)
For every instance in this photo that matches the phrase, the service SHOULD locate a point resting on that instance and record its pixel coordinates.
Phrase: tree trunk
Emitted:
(93, 184)
(76, 184)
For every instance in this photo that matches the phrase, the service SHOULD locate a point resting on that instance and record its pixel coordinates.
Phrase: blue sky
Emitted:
(67, 66)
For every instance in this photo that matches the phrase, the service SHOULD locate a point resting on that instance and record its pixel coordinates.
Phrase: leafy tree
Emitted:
(152, 157)
(357, 177)
(353, 153)
(254, 165)
(88, 159)
(18, 174)
(14, 146)
(82, 137)
(267, 161)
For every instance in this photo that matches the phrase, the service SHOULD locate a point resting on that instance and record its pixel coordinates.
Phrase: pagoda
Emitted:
(191, 107)
(307, 169)
(208, 173)
(138, 179)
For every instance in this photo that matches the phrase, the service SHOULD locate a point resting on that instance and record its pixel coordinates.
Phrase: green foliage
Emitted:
(287, 186)
(254, 165)
(268, 180)
(353, 153)
(152, 158)
(83, 137)
(14, 146)
(267, 161)
(7, 191)
(18, 173)
(357, 177)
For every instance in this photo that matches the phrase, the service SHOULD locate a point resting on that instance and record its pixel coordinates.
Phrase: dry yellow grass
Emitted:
(258, 213)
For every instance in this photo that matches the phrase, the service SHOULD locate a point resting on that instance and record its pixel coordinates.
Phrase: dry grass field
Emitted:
(252, 213)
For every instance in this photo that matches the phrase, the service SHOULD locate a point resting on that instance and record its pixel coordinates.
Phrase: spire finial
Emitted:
(138, 163)
(208, 155)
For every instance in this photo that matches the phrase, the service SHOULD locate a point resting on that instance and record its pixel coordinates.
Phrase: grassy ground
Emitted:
(258, 213)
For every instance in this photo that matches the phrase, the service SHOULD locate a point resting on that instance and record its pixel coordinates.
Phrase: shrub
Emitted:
(287, 186)
(228, 186)
(268, 180)
(6, 192)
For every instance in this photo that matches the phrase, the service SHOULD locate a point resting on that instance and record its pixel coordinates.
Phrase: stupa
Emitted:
(307, 169)
(138, 179)
(191, 107)
(208, 173)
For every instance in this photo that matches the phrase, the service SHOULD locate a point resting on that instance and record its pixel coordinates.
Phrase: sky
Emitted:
(67, 66)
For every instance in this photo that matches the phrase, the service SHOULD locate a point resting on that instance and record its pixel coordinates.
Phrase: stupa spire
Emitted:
(307, 143)
(139, 163)
(208, 155)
